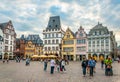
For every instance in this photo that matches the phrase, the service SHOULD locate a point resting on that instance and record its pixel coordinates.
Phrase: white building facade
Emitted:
(1, 44)
(52, 37)
(9, 38)
(101, 42)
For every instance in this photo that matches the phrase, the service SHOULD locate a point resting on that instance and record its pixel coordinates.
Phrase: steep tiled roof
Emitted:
(3, 25)
(34, 38)
(54, 23)
(99, 27)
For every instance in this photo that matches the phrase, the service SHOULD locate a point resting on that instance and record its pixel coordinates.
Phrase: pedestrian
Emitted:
(102, 64)
(63, 65)
(94, 65)
(58, 65)
(84, 65)
(45, 64)
(27, 61)
(3, 60)
(108, 67)
(91, 64)
(7, 60)
(52, 64)
(88, 68)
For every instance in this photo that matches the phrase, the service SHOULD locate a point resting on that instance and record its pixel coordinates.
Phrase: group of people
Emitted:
(88, 66)
(59, 64)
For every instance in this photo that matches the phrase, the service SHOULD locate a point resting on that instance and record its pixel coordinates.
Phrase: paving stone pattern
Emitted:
(18, 72)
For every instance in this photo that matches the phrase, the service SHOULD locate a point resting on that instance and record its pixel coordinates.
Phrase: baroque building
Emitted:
(81, 44)
(101, 42)
(52, 37)
(69, 45)
(9, 38)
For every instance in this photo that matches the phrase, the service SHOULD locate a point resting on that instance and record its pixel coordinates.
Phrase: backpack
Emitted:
(92, 63)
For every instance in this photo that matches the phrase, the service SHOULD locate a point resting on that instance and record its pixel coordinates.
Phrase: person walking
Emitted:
(52, 64)
(91, 64)
(63, 65)
(84, 65)
(102, 64)
(45, 64)
(58, 65)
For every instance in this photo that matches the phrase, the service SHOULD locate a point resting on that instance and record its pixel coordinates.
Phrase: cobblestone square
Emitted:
(18, 72)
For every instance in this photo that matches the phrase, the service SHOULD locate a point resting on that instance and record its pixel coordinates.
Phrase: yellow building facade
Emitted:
(38, 50)
(29, 49)
(68, 45)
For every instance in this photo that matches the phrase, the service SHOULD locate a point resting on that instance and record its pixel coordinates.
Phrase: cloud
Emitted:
(31, 16)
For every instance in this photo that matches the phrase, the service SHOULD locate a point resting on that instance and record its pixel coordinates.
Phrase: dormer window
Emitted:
(81, 34)
(68, 36)
(56, 25)
(53, 20)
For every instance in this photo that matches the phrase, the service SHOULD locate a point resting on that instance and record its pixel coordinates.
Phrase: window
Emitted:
(6, 48)
(68, 42)
(53, 35)
(81, 34)
(53, 41)
(7, 36)
(48, 41)
(56, 25)
(57, 35)
(10, 42)
(53, 48)
(49, 35)
(45, 35)
(89, 45)
(97, 50)
(89, 50)
(11, 48)
(95, 33)
(49, 25)
(53, 20)
(56, 41)
(45, 48)
(93, 42)
(49, 48)
(45, 41)
(6, 41)
(68, 36)
(56, 48)
(83, 48)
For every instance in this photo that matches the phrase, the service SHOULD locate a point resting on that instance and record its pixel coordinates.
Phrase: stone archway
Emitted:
(95, 56)
(89, 56)
(101, 57)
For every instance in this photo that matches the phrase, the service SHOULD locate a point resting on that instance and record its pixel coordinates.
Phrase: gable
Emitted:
(69, 34)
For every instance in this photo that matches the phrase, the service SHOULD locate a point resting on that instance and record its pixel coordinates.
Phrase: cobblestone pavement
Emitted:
(18, 72)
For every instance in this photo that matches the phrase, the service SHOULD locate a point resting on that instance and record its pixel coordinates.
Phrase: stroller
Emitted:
(108, 70)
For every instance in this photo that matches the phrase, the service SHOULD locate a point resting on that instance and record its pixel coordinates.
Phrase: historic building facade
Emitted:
(81, 44)
(9, 38)
(29, 49)
(29, 45)
(1, 44)
(101, 42)
(69, 45)
(52, 37)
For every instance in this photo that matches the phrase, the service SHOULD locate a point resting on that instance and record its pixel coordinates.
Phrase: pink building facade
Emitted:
(81, 44)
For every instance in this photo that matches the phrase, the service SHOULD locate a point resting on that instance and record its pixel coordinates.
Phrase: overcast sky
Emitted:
(31, 16)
